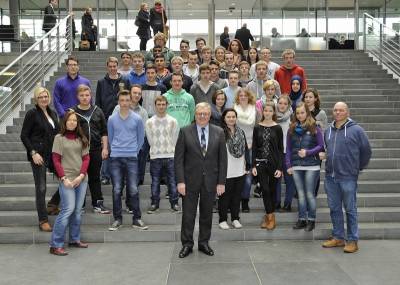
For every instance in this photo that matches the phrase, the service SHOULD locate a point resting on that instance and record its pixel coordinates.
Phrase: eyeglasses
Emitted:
(202, 114)
(42, 97)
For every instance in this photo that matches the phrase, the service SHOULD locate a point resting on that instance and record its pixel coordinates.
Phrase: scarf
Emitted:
(237, 143)
(246, 117)
(283, 117)
(299, 129)
(294, 96)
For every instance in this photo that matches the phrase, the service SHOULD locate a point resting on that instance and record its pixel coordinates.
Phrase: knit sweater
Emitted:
(200, 96)
(180, 106)
(162, 134)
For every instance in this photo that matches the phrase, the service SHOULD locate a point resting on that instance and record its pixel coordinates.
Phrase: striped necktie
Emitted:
(203, 142)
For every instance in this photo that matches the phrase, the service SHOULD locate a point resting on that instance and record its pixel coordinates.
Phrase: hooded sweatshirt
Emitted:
(284, 75)
(347, 150)
(180, 106)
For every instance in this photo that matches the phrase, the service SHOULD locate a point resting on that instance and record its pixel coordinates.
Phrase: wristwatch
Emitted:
(33, 152)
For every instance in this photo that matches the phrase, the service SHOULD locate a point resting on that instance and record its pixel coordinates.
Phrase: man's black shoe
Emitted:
(300, 224)
(206, 249)
(185, 251)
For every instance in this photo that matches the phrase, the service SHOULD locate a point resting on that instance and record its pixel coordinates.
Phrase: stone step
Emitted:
(27, 203)
(166, 217)
(354, 75)
(328, 104)
(346, 81)
(171, 233)
(362, 94)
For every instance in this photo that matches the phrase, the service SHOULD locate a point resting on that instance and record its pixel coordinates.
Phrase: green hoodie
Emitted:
(180, 106)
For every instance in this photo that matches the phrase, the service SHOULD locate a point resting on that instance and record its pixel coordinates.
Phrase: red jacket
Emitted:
(284, 76)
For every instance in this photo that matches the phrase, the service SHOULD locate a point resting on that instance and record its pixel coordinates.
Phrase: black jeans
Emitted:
(268, 185)
(94, 176)
(143, 44)
(231, 198)
(39, 176)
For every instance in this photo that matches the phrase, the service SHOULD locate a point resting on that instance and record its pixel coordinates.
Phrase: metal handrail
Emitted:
(32, 66)
(386, 50)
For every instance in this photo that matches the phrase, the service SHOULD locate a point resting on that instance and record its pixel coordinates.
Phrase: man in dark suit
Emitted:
(244, 36)
(50, 19)
(200, 169)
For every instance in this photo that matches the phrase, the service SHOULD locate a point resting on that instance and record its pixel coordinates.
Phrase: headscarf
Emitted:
(295, 96)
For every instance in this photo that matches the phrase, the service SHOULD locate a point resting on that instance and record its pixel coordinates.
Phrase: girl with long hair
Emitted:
(238, 166)
(219, 54)
(312, 99)
(235, 46)
(304, 142)
(252, 56)
(217, 107)
(71, 160)
(267, 160)
(270, 93)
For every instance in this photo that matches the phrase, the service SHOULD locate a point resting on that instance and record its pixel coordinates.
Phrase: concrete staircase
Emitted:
(373, 97)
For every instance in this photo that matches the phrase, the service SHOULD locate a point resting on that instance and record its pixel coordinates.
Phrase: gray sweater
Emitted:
(199, 95)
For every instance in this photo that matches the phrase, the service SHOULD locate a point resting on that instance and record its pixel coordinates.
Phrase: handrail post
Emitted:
(22, 80)
(380, 42)
(41, 60)
(58, 41)
(365, 33)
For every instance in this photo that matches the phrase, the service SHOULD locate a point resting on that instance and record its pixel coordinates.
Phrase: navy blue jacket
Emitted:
(347, 150)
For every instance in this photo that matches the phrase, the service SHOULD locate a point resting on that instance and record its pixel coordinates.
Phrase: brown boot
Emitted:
(45, 226)
(52, 210)
(271, 222)
(265, 222)
(351, 247)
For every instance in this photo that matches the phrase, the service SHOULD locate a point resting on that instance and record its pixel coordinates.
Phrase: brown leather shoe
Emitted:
(52, 210)
(265, 222)
(271, 222)
(45, 226)
(351, 247)
(78, 244)
(60, 251)
(332, 242)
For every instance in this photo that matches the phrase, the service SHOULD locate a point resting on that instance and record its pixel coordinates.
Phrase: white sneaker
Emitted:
(224, 226)
(236, 224)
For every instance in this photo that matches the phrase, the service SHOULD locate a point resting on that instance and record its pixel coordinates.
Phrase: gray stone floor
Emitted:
(271, 262)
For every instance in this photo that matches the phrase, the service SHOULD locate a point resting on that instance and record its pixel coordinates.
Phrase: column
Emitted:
(211, 24)
(14, 16)
(356, 24)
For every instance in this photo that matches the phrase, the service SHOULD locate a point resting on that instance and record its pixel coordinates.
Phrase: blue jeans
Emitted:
(142, 159)
(290, 188)
(305, 181)
(342, 193)
(157, 168)
(105, 169)
(121, 167)
(248, 179)
(70, 214)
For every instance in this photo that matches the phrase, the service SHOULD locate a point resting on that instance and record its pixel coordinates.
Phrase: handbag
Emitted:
(137, 21)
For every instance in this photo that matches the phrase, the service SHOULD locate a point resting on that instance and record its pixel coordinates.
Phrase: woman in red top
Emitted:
(71, 160)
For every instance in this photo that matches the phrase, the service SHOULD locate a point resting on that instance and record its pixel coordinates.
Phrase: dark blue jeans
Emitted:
(290, 188)
(142, 159)
(157, 168)
(305, 181)
(121, 167)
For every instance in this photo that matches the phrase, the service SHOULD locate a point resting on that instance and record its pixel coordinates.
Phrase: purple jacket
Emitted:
(64, 94)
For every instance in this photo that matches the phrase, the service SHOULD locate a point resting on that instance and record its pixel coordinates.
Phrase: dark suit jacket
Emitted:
(244, 35)
(192, 168)
(50, 19)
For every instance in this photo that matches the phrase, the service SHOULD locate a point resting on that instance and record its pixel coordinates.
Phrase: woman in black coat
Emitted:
(38, 131)
(89, 30)
(143, 21)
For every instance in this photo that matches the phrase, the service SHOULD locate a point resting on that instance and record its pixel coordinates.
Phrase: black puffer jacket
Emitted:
(107, 93)
(38, 134)
(93, 124)
(143, 30)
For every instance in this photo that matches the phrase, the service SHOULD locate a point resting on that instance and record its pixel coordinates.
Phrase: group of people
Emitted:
(212, 126)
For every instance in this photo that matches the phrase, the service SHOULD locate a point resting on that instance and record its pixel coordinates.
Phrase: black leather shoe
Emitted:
(185, 251)
(206, 249)
(310, 226)
(300, 224)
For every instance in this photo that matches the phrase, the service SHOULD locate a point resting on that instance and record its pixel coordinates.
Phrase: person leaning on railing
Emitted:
(38, 131)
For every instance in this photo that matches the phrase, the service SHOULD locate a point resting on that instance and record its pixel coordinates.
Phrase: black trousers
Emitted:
(94, 176)
(231, 198)
(39, 176)
(267, 182)
(189, 209)
(143, 43)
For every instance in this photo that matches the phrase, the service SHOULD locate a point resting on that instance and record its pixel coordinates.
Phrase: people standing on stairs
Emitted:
(232, 89)
(257, 85)
(191, 69)
(214, 75)
(267, 160)
(347, 153)
(272, 67)
(217, 107)
(89, 30)
(304, 143)
(296, 93)
(65, 87)
(224, 39)
(203, 90)
(126, 64)
(138, 73)
(270, 88)
(162, 133)
(236, 48)
(160, 40)
(107, 98)
(245, 107)
(184, 47)
(71, 159)
(244, 36)
(125, 137)
(177, 67)
(158, 18)
(49, 19)
(94, 126)
(200, 167)
(284, 113)
(151, 89)
(239, 166)
(286, 71)
(38, 131)
(143, 21)
(312, 99)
